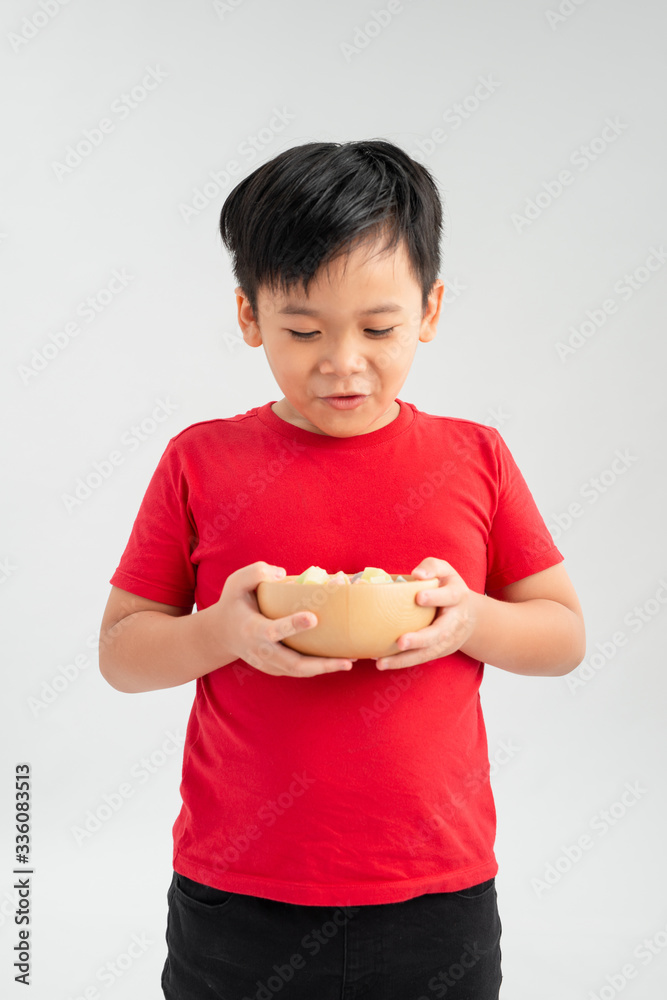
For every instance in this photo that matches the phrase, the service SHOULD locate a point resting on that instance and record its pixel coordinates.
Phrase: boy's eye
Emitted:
(306, 336)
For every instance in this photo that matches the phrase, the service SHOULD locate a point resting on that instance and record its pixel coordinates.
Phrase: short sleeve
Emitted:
(520, 543)
(156, 563)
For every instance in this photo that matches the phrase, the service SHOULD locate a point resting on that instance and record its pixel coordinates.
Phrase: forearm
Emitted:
(150, 650)
(537, 637)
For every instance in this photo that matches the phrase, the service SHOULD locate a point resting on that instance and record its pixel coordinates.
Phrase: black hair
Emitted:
(321, 200)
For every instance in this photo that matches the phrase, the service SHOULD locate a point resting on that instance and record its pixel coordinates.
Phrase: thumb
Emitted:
(260, 571)
(303, 620)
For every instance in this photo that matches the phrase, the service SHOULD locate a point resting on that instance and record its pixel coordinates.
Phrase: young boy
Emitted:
(336, 837)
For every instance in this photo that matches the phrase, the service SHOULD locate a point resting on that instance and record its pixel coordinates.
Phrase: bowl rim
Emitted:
(291, 578)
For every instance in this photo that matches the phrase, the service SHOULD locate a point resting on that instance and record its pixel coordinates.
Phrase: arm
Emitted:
(146, 646)
(534, 626)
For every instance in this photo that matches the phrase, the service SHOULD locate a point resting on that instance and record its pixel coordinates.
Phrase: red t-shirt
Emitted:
(347, 788)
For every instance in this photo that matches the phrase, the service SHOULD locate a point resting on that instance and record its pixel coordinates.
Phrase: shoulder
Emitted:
(204, 446)
(459, 428)
(454, 424)
(215, 431)
(463, 446)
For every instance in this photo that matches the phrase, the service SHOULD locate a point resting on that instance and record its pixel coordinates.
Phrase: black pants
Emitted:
(231, 946)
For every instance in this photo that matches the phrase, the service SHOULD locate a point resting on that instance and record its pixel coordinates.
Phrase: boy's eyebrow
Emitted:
(301, 310)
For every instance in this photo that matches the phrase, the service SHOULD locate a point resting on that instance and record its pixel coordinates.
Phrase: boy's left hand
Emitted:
(453, 623)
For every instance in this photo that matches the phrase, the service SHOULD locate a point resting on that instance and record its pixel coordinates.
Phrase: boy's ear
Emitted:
(247, 321)
(429, 323)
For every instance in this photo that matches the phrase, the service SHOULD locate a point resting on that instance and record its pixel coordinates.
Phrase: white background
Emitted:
(518, 289)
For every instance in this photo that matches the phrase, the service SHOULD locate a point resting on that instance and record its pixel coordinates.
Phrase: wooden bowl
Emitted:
(356, 620)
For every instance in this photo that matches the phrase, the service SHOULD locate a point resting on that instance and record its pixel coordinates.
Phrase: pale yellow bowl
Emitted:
(361, 620)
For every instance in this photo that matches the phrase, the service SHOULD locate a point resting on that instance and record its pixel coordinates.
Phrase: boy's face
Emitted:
(342, 355)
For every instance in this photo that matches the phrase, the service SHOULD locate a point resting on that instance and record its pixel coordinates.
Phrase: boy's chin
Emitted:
(322, 417)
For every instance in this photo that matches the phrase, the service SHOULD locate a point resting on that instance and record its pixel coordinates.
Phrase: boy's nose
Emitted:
(342, 357)
(342, 366)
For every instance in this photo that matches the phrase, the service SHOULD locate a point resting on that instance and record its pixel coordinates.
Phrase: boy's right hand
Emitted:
(243, 630)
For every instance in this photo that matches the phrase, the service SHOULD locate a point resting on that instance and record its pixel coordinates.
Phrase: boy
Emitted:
(336, 834)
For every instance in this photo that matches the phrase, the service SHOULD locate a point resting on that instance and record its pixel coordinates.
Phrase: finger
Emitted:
(434, 637)
(399, 662)
(277, 629)
(302, 665)
(298, 622)
(248, 578)
(293, 661)
(431, 567)
(278, 659)
(417, 640)
(415, 656)
(311, 666)
(443, 596)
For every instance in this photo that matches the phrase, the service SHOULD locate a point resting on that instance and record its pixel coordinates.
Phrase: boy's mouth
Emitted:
(345, 402)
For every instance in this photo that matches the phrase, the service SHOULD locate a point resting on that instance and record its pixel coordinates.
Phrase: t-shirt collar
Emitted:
(397, 426)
